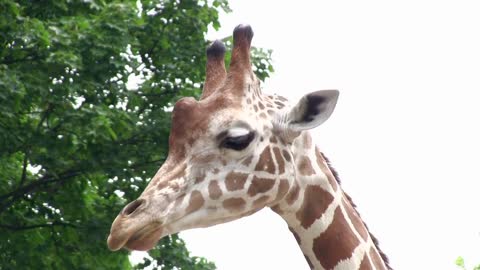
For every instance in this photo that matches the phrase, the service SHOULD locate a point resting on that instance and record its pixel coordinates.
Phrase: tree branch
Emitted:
(24, 170)
(42, 181)
(19, 192)
(46, 113)
(30, 227)
(27, 58)
(162, 94)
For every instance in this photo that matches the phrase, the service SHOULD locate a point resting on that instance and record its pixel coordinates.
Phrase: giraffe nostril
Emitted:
(131, 207)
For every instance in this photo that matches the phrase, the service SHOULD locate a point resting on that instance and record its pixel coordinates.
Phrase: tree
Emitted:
(460, 262)
(78, 139)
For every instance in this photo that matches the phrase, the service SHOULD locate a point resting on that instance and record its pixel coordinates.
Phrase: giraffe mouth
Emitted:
(142, 239)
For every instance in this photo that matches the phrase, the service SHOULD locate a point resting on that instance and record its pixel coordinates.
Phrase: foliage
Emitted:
(75, 132)
(460, 262)
(171, 252)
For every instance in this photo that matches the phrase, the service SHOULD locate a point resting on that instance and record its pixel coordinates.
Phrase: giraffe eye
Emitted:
(238, 142)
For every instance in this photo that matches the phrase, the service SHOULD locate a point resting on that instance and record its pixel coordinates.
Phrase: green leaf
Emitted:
(66, 111)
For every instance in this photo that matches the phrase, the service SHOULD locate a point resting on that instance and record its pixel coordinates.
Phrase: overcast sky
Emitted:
(405, 136)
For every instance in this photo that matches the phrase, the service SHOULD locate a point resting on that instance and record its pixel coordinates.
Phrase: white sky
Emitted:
(405, 136)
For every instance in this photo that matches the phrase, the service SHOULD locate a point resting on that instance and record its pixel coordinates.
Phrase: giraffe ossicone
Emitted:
(238, 150)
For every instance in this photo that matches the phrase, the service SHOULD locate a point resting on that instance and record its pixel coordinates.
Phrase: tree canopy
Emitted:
(460, 262)
(86, 89)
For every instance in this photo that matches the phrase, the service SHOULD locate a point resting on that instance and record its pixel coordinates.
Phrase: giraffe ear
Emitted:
(312, 110)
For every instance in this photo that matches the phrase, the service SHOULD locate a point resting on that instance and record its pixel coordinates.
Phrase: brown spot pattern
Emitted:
(165, 180)
(286, 155)
(281, 98)
(175, 186)
(305, 166)
(276, 209)
(200, 178)
(283, 187)
(356, 220)
(162, 185)
(273, 139)
(336, 243)
(203, 158)
(308, 261)
(247, 161)
(376, 259)
(261, 106)
(315, 203)
(299, 241)
(279, 104)
(234, 204)
(260, 202)
(214, 191)
(189, 114)
(322, 164)
(196, 202)
(293, 194)
(307, 141)
(365, 264)
(265, 162)
(260, 185)
(280, 161)
(235, 181)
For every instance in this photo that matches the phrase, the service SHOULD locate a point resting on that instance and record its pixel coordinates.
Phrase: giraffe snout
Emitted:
(134, 228)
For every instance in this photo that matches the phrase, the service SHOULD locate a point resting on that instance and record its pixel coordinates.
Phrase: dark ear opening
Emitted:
(312, 110)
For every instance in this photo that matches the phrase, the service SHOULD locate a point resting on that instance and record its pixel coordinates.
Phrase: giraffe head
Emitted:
(230, 153)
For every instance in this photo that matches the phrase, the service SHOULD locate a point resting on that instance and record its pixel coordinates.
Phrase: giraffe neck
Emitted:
(323, 218)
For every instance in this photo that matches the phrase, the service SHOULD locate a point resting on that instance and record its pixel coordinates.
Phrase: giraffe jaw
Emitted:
(140, 238)
(144, 241)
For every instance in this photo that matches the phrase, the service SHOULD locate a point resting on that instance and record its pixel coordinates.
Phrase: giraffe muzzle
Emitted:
(142, 238)
(134, 228)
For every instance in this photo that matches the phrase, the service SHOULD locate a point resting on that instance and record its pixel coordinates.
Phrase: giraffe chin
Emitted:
(141, 240)
(144, 242)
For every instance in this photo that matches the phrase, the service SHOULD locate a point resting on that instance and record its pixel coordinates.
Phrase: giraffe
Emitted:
(238, 150)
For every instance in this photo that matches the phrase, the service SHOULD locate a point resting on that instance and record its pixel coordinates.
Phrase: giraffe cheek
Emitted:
(260, 185)
(235, 181)
(214, 191)
(234, 204)
(283, 188)
(261, 202)
(196, 202)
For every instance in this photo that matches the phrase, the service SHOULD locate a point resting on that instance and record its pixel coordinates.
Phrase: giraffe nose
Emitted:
(131, 207)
